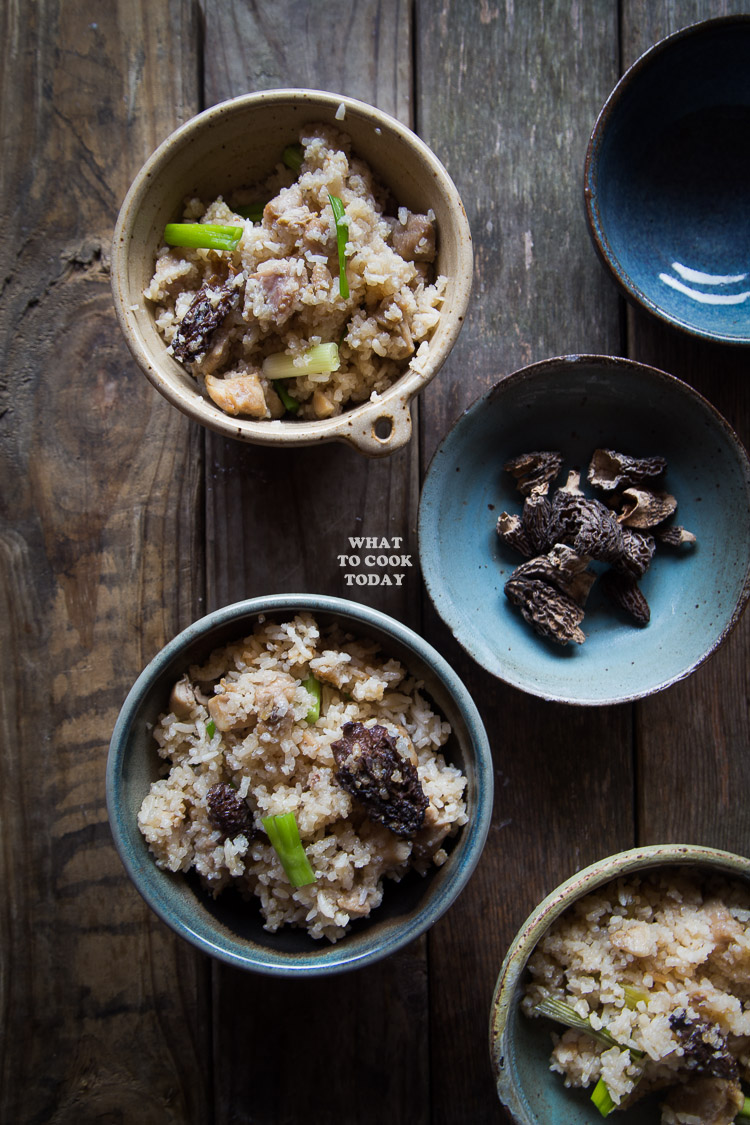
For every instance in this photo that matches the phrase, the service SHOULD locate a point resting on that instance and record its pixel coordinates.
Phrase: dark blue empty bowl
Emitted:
(667, 180)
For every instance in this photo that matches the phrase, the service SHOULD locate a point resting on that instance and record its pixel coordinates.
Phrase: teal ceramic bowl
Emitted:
(575, 404)
(229, 929)
(665, 181)
(520, 1047)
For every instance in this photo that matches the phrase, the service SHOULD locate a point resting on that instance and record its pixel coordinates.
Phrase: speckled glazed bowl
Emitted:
(229, 929)
(666, 178)
(520, 1047)
(238, 143)
(575, 404)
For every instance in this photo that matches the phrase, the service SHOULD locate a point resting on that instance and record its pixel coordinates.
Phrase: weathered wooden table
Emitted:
(122, 522)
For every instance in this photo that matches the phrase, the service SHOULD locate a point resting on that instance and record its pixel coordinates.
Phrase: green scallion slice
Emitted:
(210, 728)
(290, 404)
(284, 835)
(202, 236)
(313, 687)
(342, 235)
(633, 996)
(293, 155)
(319, 360)
(602, 1098)
(563, 1013)
(253, 211)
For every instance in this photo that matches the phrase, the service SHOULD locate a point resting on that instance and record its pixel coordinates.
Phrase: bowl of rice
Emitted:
(291, 267)
(627, 992)
(299, 784)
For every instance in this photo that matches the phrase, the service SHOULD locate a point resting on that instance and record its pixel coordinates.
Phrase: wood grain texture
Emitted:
(690, 794)
(318, 497)
(277, 522)
(102, 1010)
(510, 114)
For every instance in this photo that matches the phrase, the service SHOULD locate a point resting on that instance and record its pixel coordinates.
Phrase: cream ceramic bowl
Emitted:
(238, 143)
(519, 1047)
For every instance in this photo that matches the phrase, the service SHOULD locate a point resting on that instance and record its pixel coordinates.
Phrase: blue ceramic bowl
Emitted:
(520, 1047)
(666, 180)
(231, 930)
(576, 404)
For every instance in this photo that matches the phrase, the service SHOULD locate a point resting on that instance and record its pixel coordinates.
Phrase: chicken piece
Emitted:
(429, 838)
(279, 284)
(238, 394)
(712, 1101)
(350, 902)
(414, 240)
(321, 404)
(182, 699)
(265, 696)
(370, 767)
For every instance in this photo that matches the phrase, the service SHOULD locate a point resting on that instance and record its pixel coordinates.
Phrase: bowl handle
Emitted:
(380, 431)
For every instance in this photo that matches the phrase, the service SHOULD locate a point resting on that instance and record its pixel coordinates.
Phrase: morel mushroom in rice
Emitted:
(564, 534)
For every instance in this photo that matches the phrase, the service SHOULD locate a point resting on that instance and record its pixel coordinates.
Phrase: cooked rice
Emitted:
(385, 323)
(281, 763)
(680, 941)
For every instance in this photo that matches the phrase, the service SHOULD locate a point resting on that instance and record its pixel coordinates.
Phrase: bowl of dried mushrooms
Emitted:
(292, 267)
(584, 530)
(665, 180)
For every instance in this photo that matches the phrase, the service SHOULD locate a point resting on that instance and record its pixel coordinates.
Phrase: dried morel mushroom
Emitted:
(639, 550)
(562, 568)
(533, 469)
(675, 536)
(550, 612)
(511, 531)
(704, 1047)
(643, 508)
(585, 525)
(610, 470)
(559, 536)
(370, 767)
(535, 518)
(624, 591)
(227, 811)
(208, 308)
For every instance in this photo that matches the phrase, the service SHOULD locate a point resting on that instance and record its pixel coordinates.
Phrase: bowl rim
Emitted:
(599, 238)
(356, 426)
(444, 605)
(588, 879)
(330, 957)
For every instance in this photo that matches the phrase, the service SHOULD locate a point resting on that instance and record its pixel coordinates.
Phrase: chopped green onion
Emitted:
(253, 211)
(633, 996)
(290, 404)
(210, 728)
(745, 1111)
(565, 1014)
(342, 235)
(284, 835)
(204, 236)
(602, 1098)
(312, 686)
(293, 155)
(319, 360)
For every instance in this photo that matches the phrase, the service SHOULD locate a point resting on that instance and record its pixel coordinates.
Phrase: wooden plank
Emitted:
(276, 521)
(103, 1010)
(324, 495)
(704, 720)
(507, 96)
